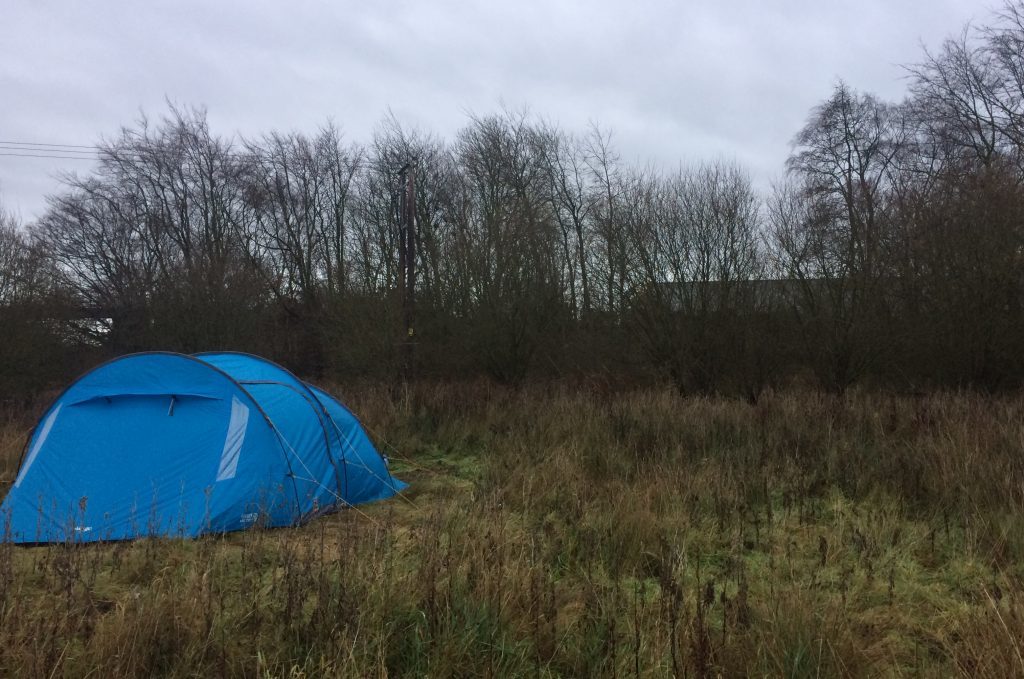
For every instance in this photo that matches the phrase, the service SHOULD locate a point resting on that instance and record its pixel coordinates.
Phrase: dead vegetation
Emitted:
(559, 532)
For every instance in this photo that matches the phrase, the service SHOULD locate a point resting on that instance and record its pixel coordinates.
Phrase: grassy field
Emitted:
(575, 532)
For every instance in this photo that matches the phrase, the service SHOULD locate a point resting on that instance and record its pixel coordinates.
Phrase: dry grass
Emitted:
(560, 532)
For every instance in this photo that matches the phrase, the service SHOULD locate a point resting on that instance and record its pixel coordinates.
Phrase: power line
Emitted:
(23, 149)
(11, 147)
(34, 155)
(32, 143)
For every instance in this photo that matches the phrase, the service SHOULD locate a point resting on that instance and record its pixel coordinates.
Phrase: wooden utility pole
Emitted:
(407, 238)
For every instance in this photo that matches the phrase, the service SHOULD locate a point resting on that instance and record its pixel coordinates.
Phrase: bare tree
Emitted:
(604, 163)
(571, 193)
(830, 226)
(33, 311)
(513, 238)
(12, 256)
(152, 237)
(698, 261)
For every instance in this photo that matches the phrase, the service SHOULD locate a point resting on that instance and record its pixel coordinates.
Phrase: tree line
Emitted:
(890, 253)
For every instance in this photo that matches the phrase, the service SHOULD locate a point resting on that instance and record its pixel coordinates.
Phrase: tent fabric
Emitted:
(164, 444)
(366, 472)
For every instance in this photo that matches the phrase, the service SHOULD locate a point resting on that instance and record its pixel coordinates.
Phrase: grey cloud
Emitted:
(677, 81)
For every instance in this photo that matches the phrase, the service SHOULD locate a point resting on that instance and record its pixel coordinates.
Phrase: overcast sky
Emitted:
(675, 81)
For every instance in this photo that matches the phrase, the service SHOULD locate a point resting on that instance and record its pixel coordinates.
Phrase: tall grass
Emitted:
(553, 531)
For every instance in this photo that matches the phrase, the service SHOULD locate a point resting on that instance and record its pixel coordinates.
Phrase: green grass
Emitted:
(550, 532)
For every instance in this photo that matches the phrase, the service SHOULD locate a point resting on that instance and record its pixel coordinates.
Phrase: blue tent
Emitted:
(164, 444)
